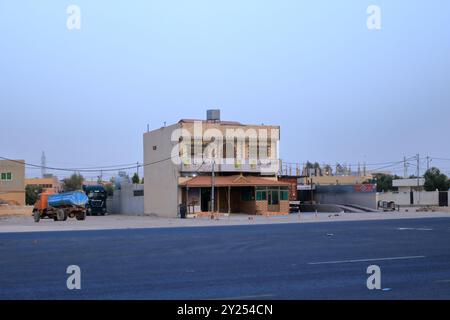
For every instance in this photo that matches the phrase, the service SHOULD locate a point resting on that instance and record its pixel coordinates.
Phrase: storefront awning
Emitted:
(233, 181)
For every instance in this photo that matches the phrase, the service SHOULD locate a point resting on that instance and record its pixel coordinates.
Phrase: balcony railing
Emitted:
(267, 167)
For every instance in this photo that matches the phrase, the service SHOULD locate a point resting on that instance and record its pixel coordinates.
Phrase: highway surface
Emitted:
(281, 261)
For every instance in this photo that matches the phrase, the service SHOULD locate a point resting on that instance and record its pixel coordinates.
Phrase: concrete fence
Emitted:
(128, 200)
(424, 198)
(6, 210)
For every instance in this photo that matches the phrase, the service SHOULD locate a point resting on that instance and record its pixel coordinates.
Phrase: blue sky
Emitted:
(340, 92)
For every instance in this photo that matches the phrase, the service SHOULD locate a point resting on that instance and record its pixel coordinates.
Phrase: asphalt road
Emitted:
(291, 261)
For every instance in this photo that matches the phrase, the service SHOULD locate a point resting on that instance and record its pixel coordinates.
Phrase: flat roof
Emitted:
(408, 182)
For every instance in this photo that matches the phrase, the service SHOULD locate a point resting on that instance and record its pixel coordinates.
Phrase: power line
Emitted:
(356, 164)
(105, 169)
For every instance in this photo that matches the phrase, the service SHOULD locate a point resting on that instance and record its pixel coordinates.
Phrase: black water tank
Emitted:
(182, 211)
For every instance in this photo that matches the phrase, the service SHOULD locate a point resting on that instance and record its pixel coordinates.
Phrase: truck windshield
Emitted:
(96, 195)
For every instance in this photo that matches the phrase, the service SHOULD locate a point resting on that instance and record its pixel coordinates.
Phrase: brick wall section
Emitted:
(261, 207)
(284, 206)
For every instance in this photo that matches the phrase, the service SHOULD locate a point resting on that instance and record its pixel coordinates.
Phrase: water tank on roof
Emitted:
(213, 115)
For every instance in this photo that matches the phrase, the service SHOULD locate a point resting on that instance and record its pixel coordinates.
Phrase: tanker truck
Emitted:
(60, 206)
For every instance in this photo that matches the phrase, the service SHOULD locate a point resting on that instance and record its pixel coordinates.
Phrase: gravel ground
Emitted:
(26, 223)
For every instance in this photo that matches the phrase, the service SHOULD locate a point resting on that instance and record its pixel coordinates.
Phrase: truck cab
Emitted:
(97, 199)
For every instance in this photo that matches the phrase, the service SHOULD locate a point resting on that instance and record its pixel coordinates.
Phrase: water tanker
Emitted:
(61, 206)
(68, 199)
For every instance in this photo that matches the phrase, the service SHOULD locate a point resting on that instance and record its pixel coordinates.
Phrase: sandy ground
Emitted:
(26, 223)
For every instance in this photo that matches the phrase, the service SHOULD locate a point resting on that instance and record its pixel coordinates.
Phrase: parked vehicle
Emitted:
(386, 205)
(60, 206)
(97, 196)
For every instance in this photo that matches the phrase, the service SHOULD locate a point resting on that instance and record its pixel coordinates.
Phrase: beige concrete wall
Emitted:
(14, 197)
(403, 198)
(161, 194)
(16, 210)
(333, 180)
(15, 188)
(125, 202)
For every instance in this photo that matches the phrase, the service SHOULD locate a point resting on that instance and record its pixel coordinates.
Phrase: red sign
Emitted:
(364, 188)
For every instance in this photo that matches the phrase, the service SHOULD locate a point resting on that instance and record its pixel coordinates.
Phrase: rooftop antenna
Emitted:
(43, 164)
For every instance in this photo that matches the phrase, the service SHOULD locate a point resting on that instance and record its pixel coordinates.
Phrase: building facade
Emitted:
(48, 183)
(409, 185)
(12, 182)
(213, 166)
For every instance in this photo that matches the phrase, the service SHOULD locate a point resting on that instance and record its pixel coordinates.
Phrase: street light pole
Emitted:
(212, 186)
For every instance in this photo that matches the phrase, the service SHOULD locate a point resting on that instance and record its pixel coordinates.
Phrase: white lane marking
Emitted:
(367, 260)
(417, 229)
(442, 281)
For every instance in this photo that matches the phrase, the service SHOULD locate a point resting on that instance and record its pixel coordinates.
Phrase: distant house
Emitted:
(12, 182)
(409, 185)
(48, 183)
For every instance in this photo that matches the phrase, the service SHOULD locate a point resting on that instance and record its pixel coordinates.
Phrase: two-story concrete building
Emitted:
(12, 182)
(213, 166)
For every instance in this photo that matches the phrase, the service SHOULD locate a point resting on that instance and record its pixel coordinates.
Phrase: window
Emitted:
(138, 193)
(261, 193)
(6, 176)
(284, 195)
(274, 197)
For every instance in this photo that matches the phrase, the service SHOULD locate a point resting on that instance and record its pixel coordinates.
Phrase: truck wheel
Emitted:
(36, 215)
(61, 215)
(81, 216)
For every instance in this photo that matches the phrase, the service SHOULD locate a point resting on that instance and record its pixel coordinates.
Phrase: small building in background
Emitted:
(128, 199)
(48, 183)
(12, 182)
(409, 185)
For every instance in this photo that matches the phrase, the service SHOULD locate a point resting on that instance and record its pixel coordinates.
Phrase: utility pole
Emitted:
(418, 170)
(418, 179)
(428, 163)
(405, 168)
(213, 185)
(43, 164)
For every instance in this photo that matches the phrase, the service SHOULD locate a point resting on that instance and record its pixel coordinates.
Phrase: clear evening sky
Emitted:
(340, 92)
